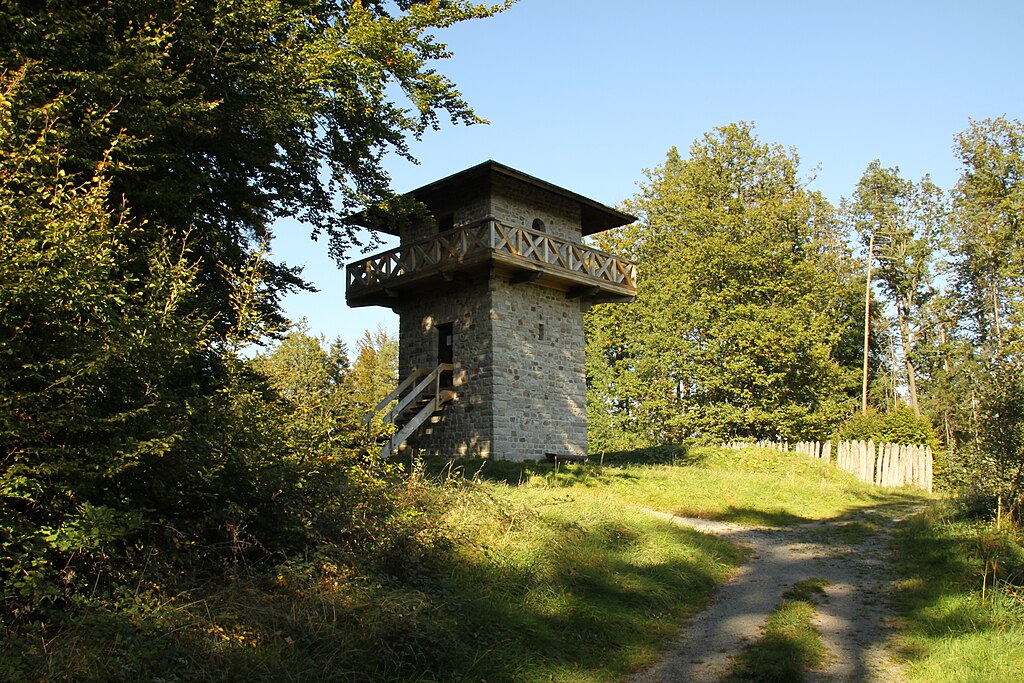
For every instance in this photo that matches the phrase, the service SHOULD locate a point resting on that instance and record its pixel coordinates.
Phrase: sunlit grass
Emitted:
(496, 571)
(948, 631)
(570, 588)
(751, 486)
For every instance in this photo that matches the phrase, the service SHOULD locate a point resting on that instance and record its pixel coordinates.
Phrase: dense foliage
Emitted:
(747, 312)
(130, 426)
(145, 149)
(235, 112)
(750, 314)
(980, 374)
(897, 425)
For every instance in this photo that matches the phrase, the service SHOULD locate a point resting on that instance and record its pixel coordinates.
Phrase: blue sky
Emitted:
(586, 94)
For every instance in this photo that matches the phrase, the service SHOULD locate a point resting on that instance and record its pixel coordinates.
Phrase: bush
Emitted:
(135, 437)
(899, 425)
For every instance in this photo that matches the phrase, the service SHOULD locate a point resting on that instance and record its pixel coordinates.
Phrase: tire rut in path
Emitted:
(849, 552)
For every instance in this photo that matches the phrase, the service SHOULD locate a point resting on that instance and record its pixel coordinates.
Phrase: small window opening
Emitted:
(540, 332)
(538, 225)
(446, 350)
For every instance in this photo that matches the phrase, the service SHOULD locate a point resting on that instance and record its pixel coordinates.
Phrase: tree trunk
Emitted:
(867, 323)
(906, 341)
(947, 418)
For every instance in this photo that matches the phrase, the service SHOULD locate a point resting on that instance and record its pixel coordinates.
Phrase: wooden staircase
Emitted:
(419, 397)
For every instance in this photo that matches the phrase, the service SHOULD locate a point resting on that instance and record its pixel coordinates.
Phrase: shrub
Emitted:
(899, 425)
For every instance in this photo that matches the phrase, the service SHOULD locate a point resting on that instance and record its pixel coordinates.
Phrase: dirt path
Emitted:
(849, 552)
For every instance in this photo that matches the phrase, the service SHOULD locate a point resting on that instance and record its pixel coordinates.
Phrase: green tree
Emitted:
(91, 403)
(375, 370)
(904, 223)
(374, 373)
(236, 112)
(315, 381)
(987, 211)
(744, 323)
(988, 219)
(612, 423)
(145, 150)
(132, 433)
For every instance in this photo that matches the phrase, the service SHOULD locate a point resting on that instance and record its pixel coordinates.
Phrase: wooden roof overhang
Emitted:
(479, 180)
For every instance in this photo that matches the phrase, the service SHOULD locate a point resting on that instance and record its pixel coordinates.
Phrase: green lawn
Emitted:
(497, 572)
(751, 486)
(949, 629)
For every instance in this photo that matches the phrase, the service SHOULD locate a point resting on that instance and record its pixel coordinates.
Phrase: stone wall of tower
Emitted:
(468, 212)
(465, 426)
(518, 205)
(520, 375)
(539, 373)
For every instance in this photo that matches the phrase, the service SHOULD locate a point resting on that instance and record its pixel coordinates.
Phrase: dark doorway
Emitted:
(446, 350)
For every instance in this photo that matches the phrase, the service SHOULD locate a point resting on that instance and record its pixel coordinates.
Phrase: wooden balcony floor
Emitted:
(494, 248)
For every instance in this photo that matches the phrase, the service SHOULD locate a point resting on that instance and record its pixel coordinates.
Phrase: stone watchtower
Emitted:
(491, 295)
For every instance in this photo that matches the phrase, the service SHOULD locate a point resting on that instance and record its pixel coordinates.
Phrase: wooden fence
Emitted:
(883, 464)
(770, 445)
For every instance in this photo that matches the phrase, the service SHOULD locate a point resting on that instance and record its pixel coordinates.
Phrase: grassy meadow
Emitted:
(506, 572)
(752, 486)
(960, 597)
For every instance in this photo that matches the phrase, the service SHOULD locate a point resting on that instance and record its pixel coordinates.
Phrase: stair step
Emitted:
(418, 408)
(409, 413)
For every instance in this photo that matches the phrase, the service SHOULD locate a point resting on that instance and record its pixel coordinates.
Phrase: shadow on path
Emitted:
(848, 551)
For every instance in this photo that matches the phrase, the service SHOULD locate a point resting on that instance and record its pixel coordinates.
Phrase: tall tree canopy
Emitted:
(988, 253)
(146, 147)
(745, 323)
(905, 224)
(235, 112)
(988, 203)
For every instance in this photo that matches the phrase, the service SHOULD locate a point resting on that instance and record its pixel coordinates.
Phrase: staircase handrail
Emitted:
(433, 378)
(405, 384)
(399, 437)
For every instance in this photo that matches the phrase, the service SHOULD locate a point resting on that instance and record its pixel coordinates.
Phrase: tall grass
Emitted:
(489, 571)
(961, 598)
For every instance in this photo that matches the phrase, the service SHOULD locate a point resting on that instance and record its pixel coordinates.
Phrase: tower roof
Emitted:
(478, 179)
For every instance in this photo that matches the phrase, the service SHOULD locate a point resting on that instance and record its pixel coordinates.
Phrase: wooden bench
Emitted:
(562, 457)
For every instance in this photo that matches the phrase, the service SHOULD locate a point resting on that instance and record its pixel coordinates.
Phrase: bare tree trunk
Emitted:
(906, 341)
(995, 315)
(893, 390)
(867, 322)
(974, 415)
(947, 418)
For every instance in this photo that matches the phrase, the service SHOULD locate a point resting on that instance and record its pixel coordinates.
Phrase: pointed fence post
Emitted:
(928, 468)
(869, 461)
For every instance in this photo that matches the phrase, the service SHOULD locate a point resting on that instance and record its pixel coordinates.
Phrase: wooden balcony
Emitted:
(519, 254)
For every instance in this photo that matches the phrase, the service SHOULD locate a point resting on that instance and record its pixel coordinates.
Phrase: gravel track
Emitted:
(849, 552)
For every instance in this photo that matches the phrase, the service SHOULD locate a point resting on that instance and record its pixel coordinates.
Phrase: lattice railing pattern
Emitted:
(491, 235)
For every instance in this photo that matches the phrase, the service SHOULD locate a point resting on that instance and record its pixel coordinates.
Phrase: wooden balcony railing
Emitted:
(518, 248)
